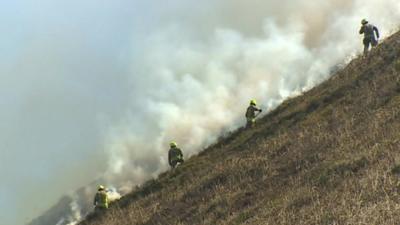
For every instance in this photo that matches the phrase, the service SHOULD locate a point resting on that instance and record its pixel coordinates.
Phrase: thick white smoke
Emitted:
(192, 78)
(188, 86)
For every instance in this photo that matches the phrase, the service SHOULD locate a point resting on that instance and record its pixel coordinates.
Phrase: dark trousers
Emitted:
(369, 42)
(99, 209)
(175, 162)
(251, 122)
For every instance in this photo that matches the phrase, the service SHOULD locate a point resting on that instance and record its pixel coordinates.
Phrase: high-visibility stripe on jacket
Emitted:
(101, 199)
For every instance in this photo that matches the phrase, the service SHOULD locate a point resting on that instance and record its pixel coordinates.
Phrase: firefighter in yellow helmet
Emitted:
(101, 199)
(251, 113)
(175, 155)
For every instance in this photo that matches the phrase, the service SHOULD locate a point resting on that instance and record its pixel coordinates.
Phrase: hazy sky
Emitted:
(63, 68)
(95, 86)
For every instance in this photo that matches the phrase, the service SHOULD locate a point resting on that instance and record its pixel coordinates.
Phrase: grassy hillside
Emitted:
(330, 156)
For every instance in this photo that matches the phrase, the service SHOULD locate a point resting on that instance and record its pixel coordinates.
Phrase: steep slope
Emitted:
(330, 156)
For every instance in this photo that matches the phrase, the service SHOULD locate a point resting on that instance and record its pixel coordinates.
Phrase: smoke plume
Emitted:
(192, 76)
(193, 79)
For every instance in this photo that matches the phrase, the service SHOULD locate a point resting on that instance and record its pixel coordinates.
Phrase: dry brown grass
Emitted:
(330, 156)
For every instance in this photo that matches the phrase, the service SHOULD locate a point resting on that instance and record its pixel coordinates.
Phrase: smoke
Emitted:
(190, 80)
(193, 76)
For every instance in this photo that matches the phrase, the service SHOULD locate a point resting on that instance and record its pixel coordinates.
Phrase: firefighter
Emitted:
(251, 113)
(175, 155)
(371, 35)
(101, 199)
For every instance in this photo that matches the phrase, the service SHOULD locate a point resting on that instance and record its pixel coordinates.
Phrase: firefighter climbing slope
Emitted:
(175, 155)
(251, 113)
(369, 32)
(101, 199)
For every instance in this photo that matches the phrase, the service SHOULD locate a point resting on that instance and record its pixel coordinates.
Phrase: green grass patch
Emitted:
(243, 217)
(396, 169)
(329, 175)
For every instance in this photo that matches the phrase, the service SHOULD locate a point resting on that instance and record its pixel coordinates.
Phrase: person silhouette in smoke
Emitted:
(101, 199)
(175, 155)
(251, 113)
(369, 32)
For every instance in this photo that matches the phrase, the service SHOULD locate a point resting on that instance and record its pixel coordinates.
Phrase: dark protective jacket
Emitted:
(251, 112)
(101, 199)
(174, 154)
(369, 31)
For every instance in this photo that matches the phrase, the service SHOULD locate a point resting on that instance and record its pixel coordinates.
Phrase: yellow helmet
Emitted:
(253, 102)
(173, 144)
(101, 187)
(364, 21)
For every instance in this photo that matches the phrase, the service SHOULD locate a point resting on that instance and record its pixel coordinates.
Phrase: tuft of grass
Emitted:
(331, 174)
(243, 217)
(396, 169)
(397, 65)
